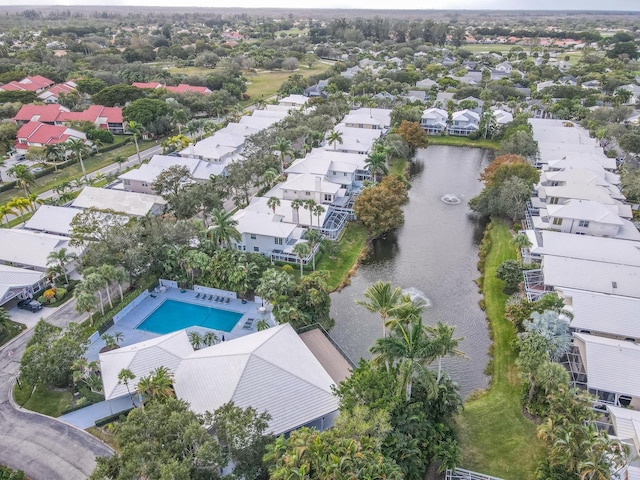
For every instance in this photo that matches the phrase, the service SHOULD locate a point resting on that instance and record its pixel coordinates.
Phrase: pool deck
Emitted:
(127, 325)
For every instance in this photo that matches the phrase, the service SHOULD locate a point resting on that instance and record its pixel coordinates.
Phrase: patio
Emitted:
(127, 321)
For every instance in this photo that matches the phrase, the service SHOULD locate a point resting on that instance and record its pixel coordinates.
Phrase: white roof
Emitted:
(586, 163)
(286, 213)
(590, 275)
(198, 169)
(586, 210)
(383, 115)
(295, 99)
(466, 115)
(165, 161)
(271, 371)
(599, 312)
(322, 162)
(52, 219)
(141, 358)
(601, 249)
(550, 151)
(363, 119)
(241, 129)
(13, 277)
(130, 203)
(611, 365)
(362, 134)
(583, 176)
(502, 117)
(626, 424)
(24, 247)
(309, 183)
(262, 223)
(435, 113)
(579, 192)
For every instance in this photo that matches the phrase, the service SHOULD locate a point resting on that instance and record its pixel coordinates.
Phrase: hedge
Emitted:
(101, 422)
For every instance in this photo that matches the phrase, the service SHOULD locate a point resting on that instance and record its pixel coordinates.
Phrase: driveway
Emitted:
(45, 448)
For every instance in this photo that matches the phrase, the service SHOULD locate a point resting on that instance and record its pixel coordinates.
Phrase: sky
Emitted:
(629, 5)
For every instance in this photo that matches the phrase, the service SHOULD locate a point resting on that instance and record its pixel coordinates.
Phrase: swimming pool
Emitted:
(172, 315)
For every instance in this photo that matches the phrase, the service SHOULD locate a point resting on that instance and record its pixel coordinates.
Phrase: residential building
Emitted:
(39, 113)
(354, 140)
(130, 203)
(36, 134)
(297, 101)
(464, 123)
(52, 95)
(502, 117)
(36, 84)
(104, 118)
(181, 88)
(434, 121)
(30, 250)
(20, 283)
(374, 118)
(626, 428)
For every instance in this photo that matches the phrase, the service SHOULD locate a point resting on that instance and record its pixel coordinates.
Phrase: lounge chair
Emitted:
(197, 296)
(153, 296)
(210, 297)
(218, 299)
(227, 300)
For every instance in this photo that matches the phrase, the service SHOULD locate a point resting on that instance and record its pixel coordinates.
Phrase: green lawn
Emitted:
(455, 141)
(47, 402)
(496, 438)
(264, 84)
(349, 248)
(13, 329)
(397, 166)
(74, 171)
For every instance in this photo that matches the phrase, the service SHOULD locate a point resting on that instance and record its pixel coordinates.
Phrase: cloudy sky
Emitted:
(633, 5)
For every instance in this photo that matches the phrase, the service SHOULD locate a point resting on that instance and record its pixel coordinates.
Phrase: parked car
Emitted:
(29, 304)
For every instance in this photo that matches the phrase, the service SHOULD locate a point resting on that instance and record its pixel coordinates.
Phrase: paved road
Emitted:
(45, 448)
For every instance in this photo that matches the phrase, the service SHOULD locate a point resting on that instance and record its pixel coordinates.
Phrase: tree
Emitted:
(8, 131)
(145, 111)
(223, 228)
(310, 205)
(314, 237)
(163, 440)
(179, 117)
(117, 95)
(510, 272)
(283, 147)
(376, 164)
(295, 205)
(79, 148)
(170, 182)
(21, 204)
(90, 86)
(302, 250)
(630, 180)
(521, 143)
(378, 207)
(55, 152)
(135, 129)
(157, 386)
(383, 300)
(413, 134)
(61, 258)
(23, 177)
(5, 211)
(273, 203)
(125, 376)
(317, 455)
(444, 344)
(334, 138)
(318, 210)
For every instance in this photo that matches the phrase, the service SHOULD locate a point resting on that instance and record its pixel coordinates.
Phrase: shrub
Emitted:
(511, 273)
(60, 293)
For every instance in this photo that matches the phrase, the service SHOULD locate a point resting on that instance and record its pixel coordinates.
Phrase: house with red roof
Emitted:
(36, 84)
(182, 88)
(39, 113)
(105, 118)
(36, 134)
(51, 95)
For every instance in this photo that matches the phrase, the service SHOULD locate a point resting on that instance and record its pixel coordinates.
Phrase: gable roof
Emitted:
(29, 248)
(40, 113)
(254, 371)
(52, 219)
(30, 84)
(130, 203)
(141, 358)
(94, 114)
(13, 278)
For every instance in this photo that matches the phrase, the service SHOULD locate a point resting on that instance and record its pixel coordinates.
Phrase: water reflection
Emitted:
(434, 253)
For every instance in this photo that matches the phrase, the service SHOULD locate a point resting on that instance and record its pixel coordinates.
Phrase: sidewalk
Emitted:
(86, 417)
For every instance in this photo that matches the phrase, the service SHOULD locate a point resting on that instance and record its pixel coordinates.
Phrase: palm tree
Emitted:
(411, 349)
(310, 205)
(78, 148)
(334, 137)
(296, 204)
(85, 301)
(301, 249)
(318, 210)
(179, 117)
(93, 283)
(125, 376)
(55, 152)
(23, 177)
(376, 162)
(269, 176)
(444, 344)
(136, 130)
(5, 211)
(161, 384)
(21, 204)
(143, 388)
(262, 325)
(61, 258)
(273, 203)
(521, 240)
(119, 276)
(223, 228)
(209, 339)
(383, 300)
(283, 147)
(195, 338)
(314, 237)
(108, 273)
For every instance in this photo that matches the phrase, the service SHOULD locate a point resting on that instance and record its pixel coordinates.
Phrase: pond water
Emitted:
(433, 256)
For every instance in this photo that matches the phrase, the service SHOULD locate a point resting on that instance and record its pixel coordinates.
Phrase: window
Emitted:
(333, 173)
(344, 174)
(278, 241)
(127, 182)
(327, 197)
(253, 236)
(256, 249)
(239, 247)
(557, 221)
(554, 200)
(308, 194)
(583, 223)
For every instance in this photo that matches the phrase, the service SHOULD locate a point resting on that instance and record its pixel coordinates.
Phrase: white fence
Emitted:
(462, 474)
(136, 301)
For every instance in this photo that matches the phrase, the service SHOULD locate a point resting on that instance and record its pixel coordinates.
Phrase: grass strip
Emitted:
(454, 141)
(43, 400)
(341, 264)
(496, 438)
